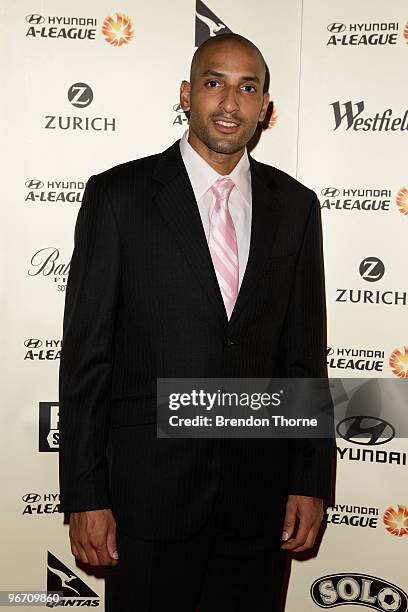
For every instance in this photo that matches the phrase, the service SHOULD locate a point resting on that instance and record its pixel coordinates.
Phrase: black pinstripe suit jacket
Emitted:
(142, 301)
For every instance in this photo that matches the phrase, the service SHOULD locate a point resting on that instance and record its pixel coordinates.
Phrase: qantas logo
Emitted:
(207, 24)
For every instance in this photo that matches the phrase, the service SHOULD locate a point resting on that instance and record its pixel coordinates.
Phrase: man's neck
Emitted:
(223, 163)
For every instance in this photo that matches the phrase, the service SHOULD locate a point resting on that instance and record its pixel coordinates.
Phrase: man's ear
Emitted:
(265, 104)
(185, 89)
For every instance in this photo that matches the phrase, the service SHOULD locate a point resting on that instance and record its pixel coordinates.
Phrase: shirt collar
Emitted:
(202, 175)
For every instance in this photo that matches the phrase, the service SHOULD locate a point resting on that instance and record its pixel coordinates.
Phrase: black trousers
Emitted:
(216, 570)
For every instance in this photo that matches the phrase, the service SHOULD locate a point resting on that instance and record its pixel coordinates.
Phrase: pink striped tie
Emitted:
(222, 242)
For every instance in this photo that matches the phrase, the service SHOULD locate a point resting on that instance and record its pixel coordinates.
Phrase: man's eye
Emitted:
(212, 83)
(249, 88)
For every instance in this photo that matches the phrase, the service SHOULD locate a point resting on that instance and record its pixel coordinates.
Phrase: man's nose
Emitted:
(229, 102)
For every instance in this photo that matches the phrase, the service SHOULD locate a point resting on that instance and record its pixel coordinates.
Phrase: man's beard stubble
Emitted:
(220, 144)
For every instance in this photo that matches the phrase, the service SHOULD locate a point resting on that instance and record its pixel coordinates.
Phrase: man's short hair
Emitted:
(221, 38)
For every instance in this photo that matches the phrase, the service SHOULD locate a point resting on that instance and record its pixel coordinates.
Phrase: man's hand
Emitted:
(309, 510)
(93, 537)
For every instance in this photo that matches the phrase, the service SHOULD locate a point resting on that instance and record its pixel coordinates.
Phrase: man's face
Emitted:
(226, 99)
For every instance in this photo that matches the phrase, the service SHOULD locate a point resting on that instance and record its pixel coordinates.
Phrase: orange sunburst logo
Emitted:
(406, 32)
(396, 521)
(271, 118)
(119, 31)
(402, 200)
(399, 362)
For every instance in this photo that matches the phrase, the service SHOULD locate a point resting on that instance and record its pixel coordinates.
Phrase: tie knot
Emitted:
(222, 188)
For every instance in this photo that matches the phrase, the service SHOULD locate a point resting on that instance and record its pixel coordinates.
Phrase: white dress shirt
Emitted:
(202, 176)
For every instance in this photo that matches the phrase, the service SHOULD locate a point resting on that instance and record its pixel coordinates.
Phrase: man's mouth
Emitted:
(226, 126)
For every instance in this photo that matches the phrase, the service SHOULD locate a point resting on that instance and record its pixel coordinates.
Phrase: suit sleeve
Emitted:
(86, 356)
(303, 345)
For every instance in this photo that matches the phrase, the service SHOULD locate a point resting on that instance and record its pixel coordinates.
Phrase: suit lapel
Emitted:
(267, 211)
(175, 199)
(177, 204)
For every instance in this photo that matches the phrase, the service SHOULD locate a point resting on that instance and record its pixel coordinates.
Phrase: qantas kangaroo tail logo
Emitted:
(207, 24)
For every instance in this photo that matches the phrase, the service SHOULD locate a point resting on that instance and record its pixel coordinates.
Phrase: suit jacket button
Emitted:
(229, 341)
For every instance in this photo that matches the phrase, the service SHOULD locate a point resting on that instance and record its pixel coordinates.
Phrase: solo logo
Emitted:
(359, 589)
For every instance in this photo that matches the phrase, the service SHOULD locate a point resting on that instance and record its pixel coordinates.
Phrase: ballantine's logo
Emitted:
(119, 31)
(44, 263)
(399, 362)
(402, 199)
(396, 521)
(377, 123)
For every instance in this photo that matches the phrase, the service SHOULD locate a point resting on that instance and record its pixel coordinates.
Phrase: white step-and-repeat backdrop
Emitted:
(88, 85)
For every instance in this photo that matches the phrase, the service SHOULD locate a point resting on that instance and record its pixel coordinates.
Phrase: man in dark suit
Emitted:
(195, 262)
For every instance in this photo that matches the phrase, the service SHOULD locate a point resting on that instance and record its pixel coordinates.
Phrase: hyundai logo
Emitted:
(31, 498)
(372, 429)
(336, 28)
(34, 184)
(35, 19)
(33, 343)
(330, 192)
